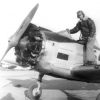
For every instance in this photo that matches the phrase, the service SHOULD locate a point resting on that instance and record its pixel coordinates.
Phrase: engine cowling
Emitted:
(29, 47)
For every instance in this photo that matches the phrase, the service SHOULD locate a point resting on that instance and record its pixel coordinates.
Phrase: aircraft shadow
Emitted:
(71, 96)
(60, 85)
(8, 97)
(56, 84)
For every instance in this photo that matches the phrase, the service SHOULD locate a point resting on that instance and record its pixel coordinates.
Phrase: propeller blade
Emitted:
(26, 21)
(5, 53)
(14, 39)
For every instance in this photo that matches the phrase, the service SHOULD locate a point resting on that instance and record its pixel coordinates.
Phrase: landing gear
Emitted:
(34, 92)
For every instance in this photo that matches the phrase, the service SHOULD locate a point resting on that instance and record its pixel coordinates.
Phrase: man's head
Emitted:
(80, 14)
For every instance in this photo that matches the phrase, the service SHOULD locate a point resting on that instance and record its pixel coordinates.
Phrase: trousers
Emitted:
(89, 54)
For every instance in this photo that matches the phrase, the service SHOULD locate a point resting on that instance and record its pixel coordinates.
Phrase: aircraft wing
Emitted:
(88, 73)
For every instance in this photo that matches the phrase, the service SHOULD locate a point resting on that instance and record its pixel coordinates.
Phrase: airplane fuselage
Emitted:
(64, 58)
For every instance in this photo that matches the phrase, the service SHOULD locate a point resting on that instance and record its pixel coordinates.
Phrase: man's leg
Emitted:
(90, 56)
(84, 54)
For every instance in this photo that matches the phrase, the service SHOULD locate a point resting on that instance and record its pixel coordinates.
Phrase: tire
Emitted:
(29, 93)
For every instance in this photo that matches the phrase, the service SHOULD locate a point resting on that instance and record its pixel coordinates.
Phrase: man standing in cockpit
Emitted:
(88, 33)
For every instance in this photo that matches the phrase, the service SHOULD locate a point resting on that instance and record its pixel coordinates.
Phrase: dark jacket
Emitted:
(87, 28)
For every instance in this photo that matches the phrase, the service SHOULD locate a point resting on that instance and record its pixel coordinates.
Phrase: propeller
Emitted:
(14, 39)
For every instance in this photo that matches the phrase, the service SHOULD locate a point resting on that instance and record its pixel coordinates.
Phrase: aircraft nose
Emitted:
(14, 39)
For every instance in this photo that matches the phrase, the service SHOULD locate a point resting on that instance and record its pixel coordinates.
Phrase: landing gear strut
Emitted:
(34, 92)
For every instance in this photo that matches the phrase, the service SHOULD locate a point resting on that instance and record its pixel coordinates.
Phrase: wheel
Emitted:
(33, 93)
(98, 97)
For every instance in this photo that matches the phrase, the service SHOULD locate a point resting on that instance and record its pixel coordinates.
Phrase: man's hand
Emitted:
(68, 30)
(90, 38)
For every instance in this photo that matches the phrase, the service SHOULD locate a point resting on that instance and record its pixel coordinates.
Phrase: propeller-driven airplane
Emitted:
(51, 53)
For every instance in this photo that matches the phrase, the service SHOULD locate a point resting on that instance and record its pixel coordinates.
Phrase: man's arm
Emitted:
(92, 27)
(75, 29)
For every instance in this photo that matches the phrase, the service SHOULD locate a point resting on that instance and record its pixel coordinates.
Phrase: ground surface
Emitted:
(14, 83)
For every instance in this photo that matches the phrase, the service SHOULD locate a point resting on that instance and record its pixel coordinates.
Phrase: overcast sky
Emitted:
(56, 15)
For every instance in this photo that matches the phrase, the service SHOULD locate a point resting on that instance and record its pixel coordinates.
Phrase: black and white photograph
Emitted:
(50, 50)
